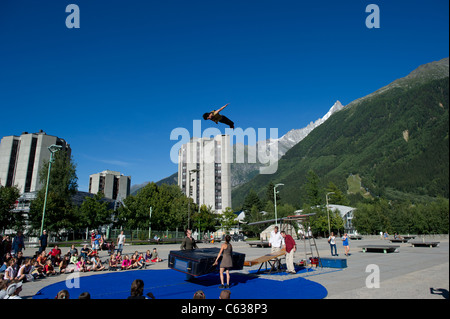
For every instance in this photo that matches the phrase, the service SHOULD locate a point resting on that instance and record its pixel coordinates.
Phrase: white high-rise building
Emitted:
(22, 157)
(204, 171)
(112, 184)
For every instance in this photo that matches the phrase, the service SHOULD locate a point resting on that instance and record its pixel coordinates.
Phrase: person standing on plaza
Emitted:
(98, 241)
(332, 242)
(188, 242)
(120, 241)
(345, 244)
(290, 247)
(18, 243)
(43, 241)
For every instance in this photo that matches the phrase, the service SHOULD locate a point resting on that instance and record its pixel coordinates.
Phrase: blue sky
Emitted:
(135, 70)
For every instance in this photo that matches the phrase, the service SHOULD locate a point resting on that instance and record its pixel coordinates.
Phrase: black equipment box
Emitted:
(200, 262)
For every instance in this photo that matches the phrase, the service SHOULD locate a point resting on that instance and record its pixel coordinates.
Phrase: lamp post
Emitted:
(275, 192)
(53, 149)
(328, 212)
(150, 224)
(189, 196)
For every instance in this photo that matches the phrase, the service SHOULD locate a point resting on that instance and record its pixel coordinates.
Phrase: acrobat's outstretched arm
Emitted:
(215, 112)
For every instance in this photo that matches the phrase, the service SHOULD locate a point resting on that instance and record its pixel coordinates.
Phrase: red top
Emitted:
(289, 242)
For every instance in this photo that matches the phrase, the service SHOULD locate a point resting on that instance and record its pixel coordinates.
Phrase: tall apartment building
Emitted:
(204, 171)
(21, 159)
(112, 184)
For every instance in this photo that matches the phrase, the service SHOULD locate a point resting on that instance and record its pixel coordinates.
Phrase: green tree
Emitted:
(94, 211)
(8, 197)
(312, 187)
(252, 199)
(63, 185)
(254, 215)
(205, 220)
(227, 219)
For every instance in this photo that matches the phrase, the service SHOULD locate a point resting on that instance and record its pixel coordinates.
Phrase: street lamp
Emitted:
(328, 212)
(53, 149)
(275, 192)
(189, 196)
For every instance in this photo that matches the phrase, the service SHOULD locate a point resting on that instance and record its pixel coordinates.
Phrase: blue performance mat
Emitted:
(171, 284)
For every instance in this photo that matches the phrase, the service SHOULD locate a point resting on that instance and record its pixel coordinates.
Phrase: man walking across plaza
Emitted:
(290, 247)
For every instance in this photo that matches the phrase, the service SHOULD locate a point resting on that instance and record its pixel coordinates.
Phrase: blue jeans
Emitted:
(335, 249)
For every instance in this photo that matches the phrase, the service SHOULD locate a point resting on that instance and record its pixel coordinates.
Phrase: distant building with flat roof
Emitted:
(204, 171)
(22, 157)
(113, 185)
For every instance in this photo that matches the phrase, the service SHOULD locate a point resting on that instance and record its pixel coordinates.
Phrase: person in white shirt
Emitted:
(120, 241)
(276, 240)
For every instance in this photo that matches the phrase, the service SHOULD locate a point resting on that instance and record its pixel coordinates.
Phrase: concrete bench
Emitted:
(425, 244)
(261, 244)
(380, 248)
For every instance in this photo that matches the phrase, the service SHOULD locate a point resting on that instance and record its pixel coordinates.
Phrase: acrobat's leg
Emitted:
(227, 121)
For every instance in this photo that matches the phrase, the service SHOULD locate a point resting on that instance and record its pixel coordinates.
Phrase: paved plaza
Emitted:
(410, 273)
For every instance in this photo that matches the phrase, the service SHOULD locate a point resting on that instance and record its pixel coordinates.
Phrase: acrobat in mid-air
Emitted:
(216, 117)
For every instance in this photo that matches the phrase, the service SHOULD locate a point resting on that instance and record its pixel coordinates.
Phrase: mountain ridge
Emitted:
(378, 136)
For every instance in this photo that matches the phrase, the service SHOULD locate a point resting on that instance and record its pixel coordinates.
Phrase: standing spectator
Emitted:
(43, 241)
(18, 243)
(290, 247)
(7, 244)
(332, 242)
(98, 241)
(92, 238)
(345, 244)
(120, 241)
